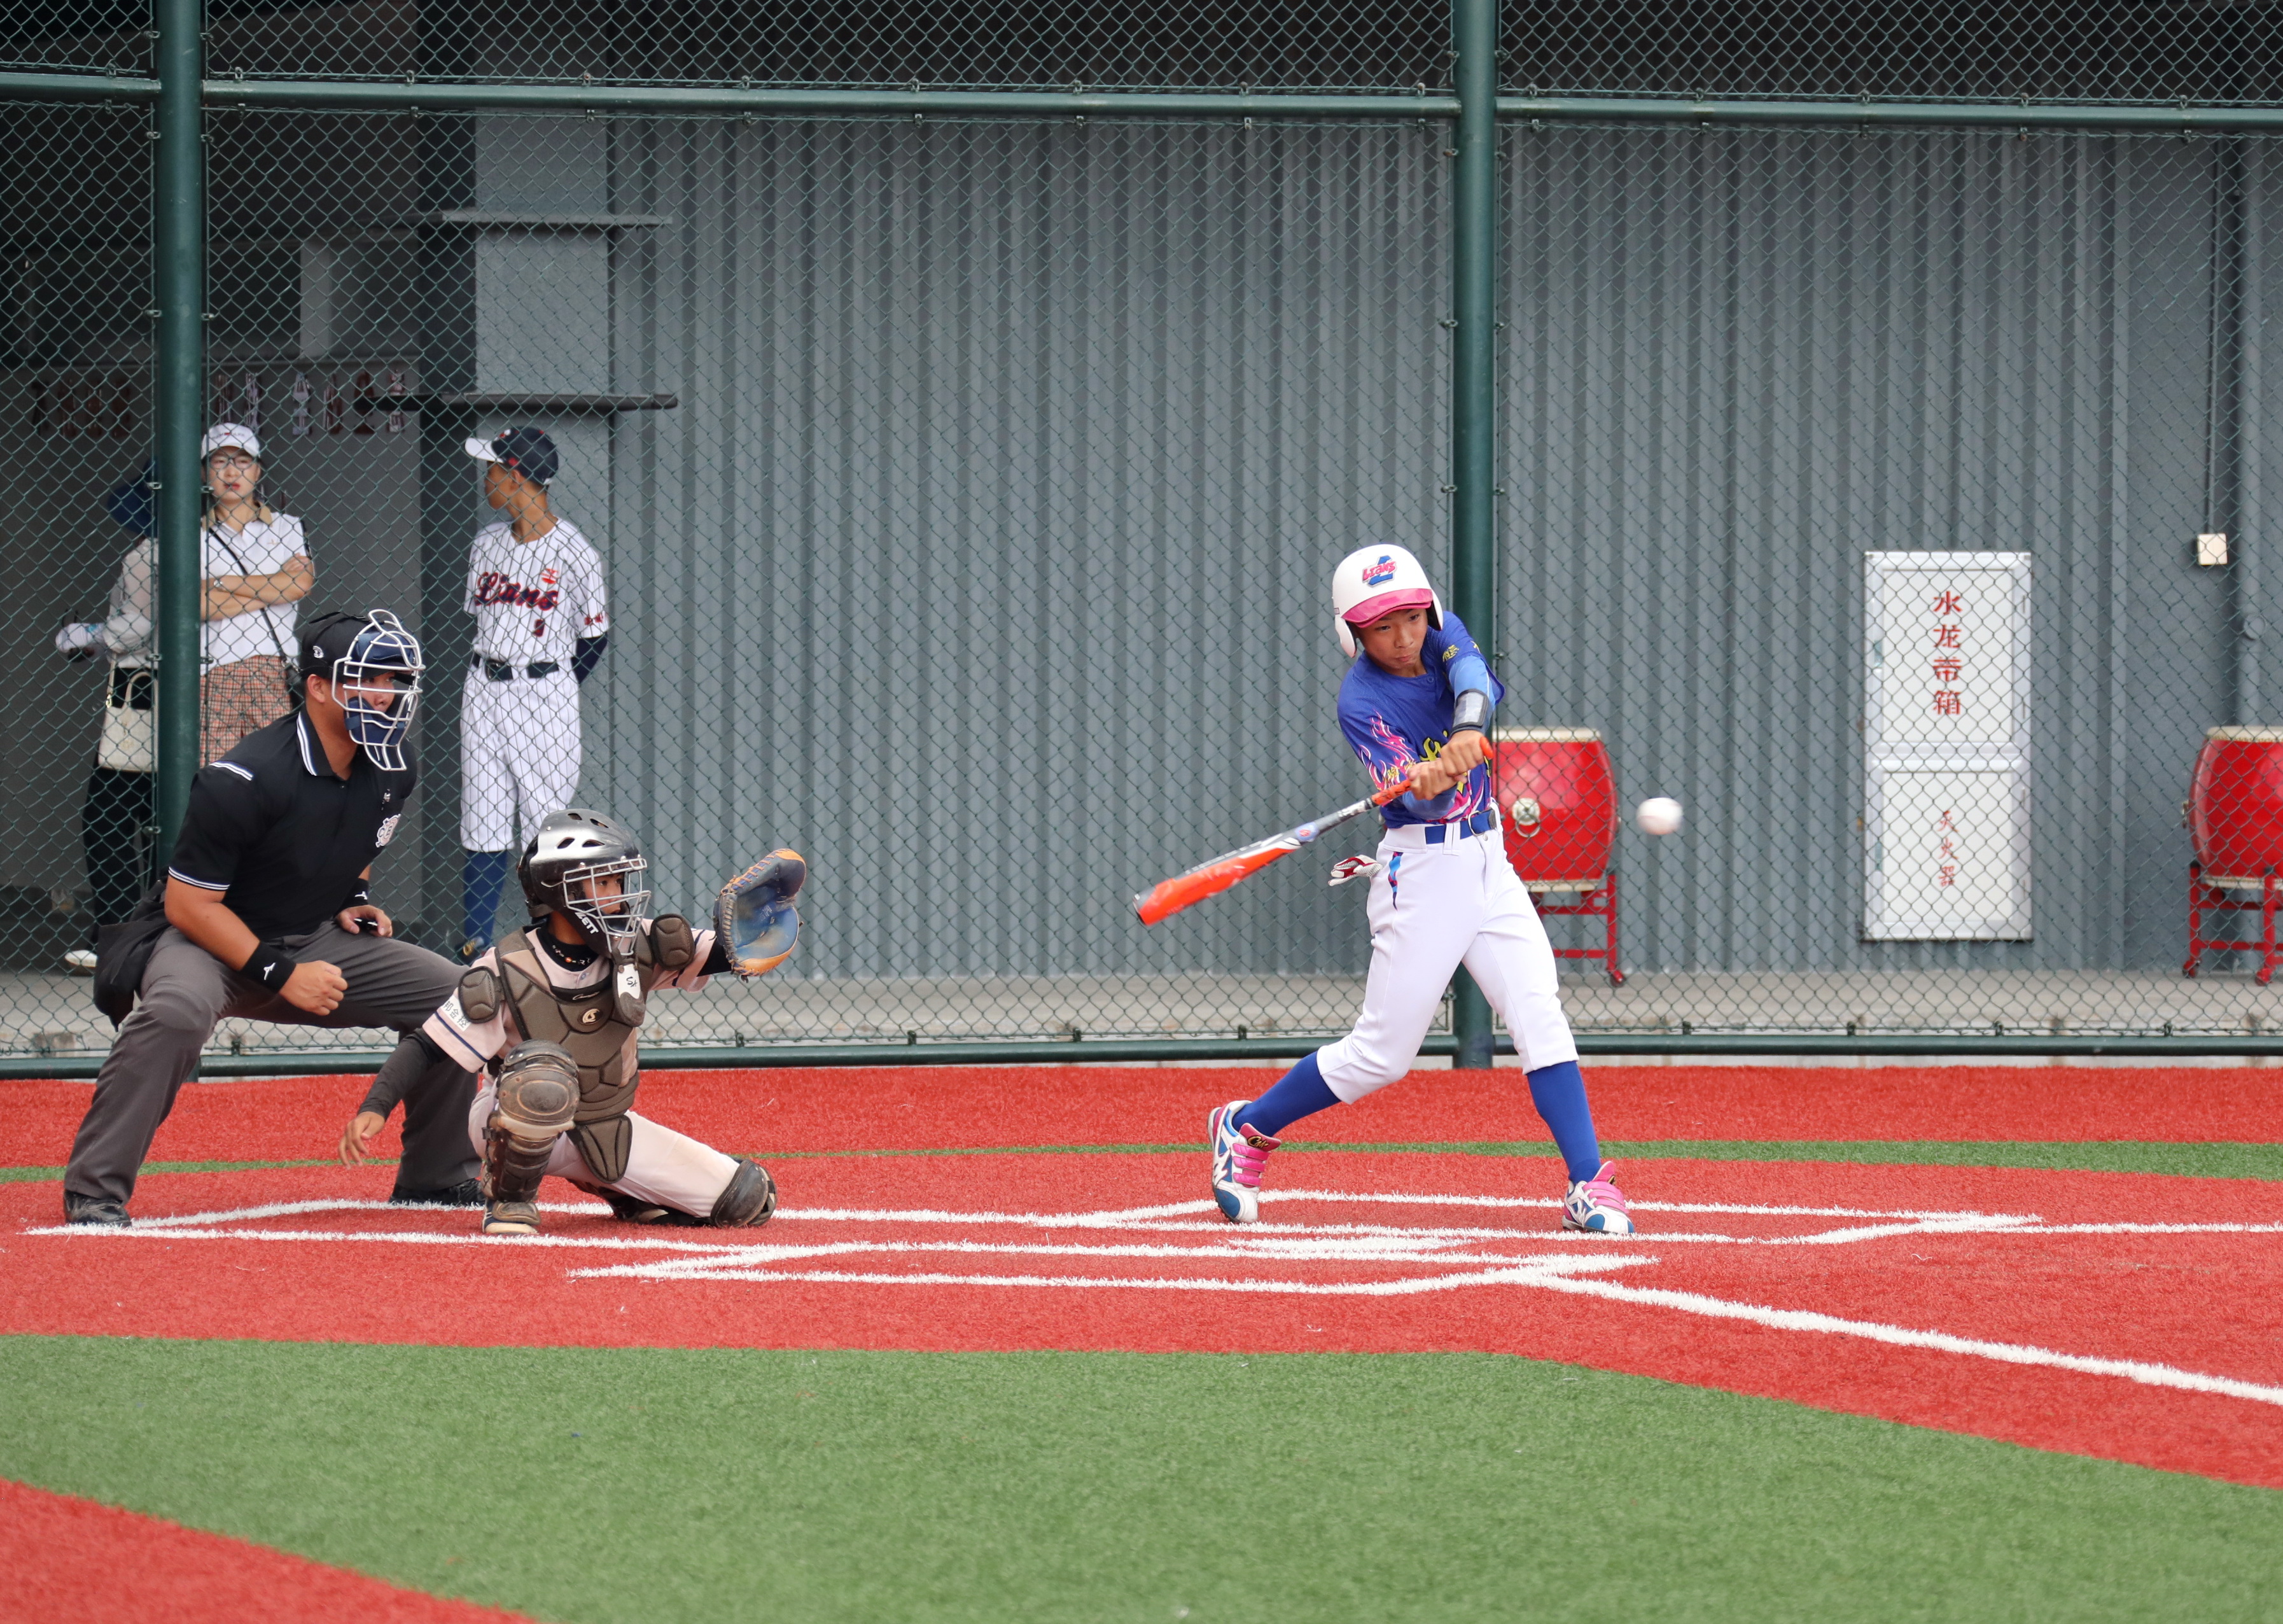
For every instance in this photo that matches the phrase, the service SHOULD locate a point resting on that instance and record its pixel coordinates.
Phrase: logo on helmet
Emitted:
(1379, 572)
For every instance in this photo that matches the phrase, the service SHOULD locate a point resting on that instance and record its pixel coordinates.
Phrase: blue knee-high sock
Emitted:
(1559, 1093)
(1300, 1092)
(482, 878)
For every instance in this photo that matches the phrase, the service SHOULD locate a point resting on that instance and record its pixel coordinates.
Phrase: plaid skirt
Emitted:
(236, 698)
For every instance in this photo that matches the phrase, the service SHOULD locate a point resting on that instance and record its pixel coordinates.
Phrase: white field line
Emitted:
(1533, 1274)
(1272, 1195)
(1385, 1243)
(707, 1266)
(2150, 1228)
(206, 1226)
(2139, 1370)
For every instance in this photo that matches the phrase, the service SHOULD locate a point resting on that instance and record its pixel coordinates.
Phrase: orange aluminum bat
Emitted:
(1168, 897)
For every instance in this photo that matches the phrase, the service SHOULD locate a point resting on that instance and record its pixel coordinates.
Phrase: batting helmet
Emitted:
(1375, 581)
(573, 849)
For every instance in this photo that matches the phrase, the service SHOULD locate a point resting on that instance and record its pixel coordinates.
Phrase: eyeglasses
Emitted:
(230, 462)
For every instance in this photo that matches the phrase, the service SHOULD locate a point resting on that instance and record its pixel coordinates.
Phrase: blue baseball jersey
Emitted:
(1392, 722)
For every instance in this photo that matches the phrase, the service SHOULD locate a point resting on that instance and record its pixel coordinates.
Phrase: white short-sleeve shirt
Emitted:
(263, 548)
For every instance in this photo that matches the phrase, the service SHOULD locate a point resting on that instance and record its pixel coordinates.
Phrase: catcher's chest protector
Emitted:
(584, 1020)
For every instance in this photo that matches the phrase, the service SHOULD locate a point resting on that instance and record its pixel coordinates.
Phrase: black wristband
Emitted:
(269, 965)
(359, 897)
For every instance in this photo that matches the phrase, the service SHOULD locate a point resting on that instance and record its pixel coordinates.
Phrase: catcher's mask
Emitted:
(563, 869)
(362, 657)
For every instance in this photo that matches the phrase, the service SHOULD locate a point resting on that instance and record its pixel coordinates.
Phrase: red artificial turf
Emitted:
(907, 1107)
(2207, 1303)
(73, 1561)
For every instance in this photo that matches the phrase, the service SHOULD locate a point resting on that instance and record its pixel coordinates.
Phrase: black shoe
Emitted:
(96, 1211)
(467, 1192)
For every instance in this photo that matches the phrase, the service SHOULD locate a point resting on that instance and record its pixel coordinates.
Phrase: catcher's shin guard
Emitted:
(538, 1095)
(747, 1202)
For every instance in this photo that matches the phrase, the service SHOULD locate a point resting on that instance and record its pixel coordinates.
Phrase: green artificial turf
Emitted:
(2225, 1158)
(19, 1175)
(652, 1485)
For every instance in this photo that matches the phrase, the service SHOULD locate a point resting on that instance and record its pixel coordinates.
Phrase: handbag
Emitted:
(123, 953)
(130, 734)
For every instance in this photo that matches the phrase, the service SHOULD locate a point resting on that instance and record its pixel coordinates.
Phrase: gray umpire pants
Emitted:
(186, 990)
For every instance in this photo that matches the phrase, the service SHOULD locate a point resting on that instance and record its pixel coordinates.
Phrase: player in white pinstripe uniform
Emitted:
(542, 620)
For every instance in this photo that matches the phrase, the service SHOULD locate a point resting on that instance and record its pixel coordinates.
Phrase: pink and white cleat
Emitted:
(1239, 1154)
(1596, 1205)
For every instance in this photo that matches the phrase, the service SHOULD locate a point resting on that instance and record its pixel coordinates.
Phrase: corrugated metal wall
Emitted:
(985, 557)
(1741, 360)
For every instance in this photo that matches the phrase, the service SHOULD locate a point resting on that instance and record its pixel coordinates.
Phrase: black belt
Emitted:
(504, 670)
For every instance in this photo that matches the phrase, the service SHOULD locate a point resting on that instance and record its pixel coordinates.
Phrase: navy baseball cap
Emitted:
(129, 506)
(526, 451)
(331, 636)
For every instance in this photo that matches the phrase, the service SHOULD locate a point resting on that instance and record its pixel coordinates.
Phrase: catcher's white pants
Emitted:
(669, 1168)
(1433, 907)
(520, 756)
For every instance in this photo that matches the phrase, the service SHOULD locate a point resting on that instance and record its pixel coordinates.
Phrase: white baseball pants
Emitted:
(1433, 907)
(664, 1167)
(520, 756)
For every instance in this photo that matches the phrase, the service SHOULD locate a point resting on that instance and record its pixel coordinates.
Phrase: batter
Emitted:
(1417, 704)
(535, 587)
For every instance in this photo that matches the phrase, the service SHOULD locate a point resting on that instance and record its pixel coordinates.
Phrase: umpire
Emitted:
(268, 916)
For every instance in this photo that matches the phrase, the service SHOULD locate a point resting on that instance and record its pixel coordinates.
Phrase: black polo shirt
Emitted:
(281, 838)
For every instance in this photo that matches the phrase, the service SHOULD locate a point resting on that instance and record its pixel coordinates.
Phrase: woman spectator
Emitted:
(256, 566)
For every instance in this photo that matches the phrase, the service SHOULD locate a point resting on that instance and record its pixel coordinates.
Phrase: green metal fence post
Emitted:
(179, 393)
(1473, 404)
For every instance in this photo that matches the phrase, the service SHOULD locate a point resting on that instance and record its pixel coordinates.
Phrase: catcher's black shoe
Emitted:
(467, 1192)
(631, 1209)
(96, 1211)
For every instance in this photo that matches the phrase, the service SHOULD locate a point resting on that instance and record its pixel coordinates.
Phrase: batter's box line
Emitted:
(206, 1226)
(209, 1226)
(1526, 1276)
(713, 1264)
(1557, 1273)
(1746, 1209)
(1560, 1274)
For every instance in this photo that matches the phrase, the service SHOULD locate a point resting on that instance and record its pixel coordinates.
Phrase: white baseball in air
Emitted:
(1658, 815)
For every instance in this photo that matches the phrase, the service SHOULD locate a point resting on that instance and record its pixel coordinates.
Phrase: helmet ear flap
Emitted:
(1435, 609)
(1347, 635)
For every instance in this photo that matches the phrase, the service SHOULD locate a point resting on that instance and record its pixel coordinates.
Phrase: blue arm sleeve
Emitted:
(1470, 675)
(586, 654)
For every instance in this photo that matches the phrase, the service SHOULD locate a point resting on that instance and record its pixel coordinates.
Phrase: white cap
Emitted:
(1373, 581)
(231, 434)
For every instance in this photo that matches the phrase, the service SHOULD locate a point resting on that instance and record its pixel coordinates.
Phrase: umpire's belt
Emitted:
(504, 670)
(1412, 837)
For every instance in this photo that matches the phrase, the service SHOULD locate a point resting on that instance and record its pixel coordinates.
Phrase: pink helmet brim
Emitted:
(1387, 603)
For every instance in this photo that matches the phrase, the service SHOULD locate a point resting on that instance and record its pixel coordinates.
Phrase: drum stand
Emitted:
(2208, 896)
(1600, 901)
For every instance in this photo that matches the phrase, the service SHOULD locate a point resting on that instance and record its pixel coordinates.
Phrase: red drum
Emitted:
(2236, 807)
(1557, 799)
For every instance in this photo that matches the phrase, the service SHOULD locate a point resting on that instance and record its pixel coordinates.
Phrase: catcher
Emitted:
(553, 1015)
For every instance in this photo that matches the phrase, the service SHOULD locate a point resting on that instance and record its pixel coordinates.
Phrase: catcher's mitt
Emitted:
(754, 916)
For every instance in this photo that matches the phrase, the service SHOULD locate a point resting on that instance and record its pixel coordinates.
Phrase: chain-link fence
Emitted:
(962, 493)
